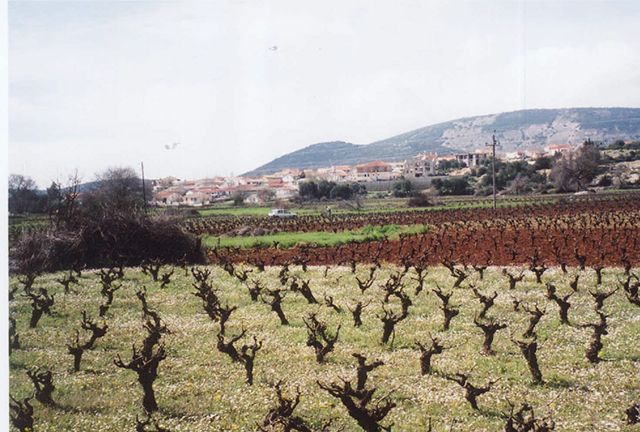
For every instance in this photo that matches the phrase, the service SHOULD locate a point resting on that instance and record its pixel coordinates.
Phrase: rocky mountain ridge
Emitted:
(516, 130)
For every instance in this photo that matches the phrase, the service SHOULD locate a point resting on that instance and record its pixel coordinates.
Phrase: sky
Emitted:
(235, 84)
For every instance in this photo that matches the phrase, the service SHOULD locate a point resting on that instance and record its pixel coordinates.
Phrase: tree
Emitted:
(324, 188)
(453, 186)
(54, 199)
(401, 188)
(23, 195)
(518, 185)
(575, 171)
(117, 189)
(616, 145)
(446, 166)
(342, 191)
(358, 189)
(239, 197)
(545, 162)
(308, 190)
(61, 201)
(267, 195)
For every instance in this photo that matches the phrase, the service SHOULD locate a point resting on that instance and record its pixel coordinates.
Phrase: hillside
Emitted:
(517, 130)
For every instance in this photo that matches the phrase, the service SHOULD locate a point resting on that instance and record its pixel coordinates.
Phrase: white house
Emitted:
(373, 171)
(420, 166)
(554, 149)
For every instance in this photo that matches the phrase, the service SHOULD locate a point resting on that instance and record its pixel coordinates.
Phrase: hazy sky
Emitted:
(238, 83)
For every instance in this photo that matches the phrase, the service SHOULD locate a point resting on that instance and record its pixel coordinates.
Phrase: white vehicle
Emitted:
(281, 213)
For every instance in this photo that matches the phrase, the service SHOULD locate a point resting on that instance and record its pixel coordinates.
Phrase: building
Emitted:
(469, 159)
(168, 198)
(420, 166)
(516, 155)
(554, 149)
(373, 171)
(194, 198)
(335, 173)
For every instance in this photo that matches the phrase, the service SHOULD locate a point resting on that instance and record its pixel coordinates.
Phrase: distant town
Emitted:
(284, 184)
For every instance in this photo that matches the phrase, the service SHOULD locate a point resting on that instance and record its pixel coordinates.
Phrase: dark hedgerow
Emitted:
(119, 238)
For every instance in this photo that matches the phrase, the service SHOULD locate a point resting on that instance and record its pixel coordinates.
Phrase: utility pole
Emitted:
(144, 190)
(493, 166)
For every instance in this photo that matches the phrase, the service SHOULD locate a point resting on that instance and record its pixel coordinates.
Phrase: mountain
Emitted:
(517, 130)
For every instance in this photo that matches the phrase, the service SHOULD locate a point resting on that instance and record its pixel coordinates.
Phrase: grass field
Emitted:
(382, 206)
(320, 238)
(200, 389)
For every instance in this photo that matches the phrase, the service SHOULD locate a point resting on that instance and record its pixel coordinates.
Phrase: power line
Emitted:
(493, 144)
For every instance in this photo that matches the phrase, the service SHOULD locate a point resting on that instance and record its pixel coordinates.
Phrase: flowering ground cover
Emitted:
(200, 388)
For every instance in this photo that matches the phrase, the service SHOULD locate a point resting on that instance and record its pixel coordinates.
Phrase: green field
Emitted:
(376, 206)
(321, 238)
(390, 204)
(200, 389)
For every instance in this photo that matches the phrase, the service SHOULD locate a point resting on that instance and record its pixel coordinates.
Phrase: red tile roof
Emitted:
(375, 164)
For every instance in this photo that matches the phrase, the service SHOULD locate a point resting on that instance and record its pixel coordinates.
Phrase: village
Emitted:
(284, 185)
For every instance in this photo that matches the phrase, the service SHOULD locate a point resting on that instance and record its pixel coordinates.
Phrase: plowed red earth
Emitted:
(595, 233)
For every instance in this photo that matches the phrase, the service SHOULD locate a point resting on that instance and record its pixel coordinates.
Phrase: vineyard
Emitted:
(597, 233)
(226, 345)
(526, 319)
(219, 225)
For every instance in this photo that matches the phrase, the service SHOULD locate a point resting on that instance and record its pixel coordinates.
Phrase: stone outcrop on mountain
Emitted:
(517, 130)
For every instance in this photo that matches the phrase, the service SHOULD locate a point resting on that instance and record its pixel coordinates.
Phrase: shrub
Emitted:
(453, 186)
(342, 191)
(401, 188)
(419, 200)
(119, 238)
(605, 181)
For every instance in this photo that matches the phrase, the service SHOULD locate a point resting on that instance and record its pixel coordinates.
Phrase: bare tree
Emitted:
(108, 289)
(562, 302)
(489, 329)
(633, 414)
(141, 425)
(391, 318)
(76, 349)
(328, 300)
(356, 312)
(449, 312)
(356, 400)
(524, 420)
(471, 391)
(426, 353)
(302, 286)
(575, 171)
(145, 365)
(41, 303)
(487, 301)
(599, 330)
(212, 304)
(318, 337)
(117, 189)
(14, 337)
(246, 355)
(21, 414)
(43, 383)
(276, 303)
(513, 279)
(23, 196)
(529, 351)
(600, 297)
(145, 361)
(632, 289)
(282, 416)
(536, 315)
